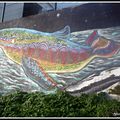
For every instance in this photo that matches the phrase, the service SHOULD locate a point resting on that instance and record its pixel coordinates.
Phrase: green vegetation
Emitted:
(62, 104)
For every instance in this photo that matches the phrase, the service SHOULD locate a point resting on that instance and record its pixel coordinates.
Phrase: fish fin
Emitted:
(92, 37)
(63, 34)
(35, 72)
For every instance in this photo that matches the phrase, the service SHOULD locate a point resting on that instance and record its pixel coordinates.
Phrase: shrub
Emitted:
(61, 104)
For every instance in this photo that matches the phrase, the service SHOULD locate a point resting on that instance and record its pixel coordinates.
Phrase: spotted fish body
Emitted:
(52, 52)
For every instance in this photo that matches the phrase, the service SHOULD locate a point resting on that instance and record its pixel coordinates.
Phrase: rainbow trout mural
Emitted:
(41, 53)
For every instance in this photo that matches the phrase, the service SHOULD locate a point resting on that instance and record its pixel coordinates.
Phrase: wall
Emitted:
(12, 11)
(98, 58)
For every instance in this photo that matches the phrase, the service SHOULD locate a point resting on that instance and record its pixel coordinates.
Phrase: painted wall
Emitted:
(72, 58)
(54, 61)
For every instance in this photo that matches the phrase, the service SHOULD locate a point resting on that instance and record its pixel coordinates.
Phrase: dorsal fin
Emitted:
(62, 34)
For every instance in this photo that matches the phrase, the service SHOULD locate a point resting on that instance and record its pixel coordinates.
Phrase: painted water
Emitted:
(12, 76)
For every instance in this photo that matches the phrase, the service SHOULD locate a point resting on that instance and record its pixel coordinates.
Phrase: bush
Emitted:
(61, 104)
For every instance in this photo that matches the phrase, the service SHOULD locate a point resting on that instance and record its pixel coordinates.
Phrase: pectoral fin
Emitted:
(63, 34)
(35, 72)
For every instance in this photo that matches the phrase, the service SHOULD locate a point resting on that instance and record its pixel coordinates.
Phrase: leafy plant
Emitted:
(61, 104)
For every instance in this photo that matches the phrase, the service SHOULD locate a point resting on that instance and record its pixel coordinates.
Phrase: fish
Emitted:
(41, 53)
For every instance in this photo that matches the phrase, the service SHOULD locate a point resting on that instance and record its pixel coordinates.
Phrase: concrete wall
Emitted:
(12, 11)
(15, 10)
(66, 5)
(1, 11)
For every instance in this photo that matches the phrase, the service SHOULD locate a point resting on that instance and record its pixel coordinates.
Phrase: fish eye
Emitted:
(13, 40)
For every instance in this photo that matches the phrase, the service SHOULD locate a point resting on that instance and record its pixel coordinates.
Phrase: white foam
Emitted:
(103, 75)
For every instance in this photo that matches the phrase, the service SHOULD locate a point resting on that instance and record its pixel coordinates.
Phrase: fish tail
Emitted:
(92, 37)
(102, 46)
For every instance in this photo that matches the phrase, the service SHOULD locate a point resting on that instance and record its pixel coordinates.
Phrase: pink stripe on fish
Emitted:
(91, 38)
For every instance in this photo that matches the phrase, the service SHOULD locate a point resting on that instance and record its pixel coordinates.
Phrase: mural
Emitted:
(31, 60)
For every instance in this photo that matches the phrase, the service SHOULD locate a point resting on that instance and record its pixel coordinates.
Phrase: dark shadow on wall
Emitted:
(83, 17)
(31, 9)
